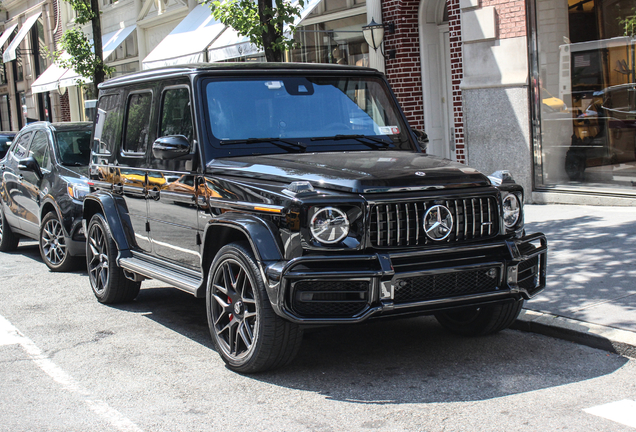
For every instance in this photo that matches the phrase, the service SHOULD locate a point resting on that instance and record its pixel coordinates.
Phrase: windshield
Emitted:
(73, 147)
(298, 114)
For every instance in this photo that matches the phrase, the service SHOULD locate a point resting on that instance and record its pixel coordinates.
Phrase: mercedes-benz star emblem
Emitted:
(438, 222)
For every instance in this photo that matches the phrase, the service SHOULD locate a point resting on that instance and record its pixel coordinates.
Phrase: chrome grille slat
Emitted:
(398, 224)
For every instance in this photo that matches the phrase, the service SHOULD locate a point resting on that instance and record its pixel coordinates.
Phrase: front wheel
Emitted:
(106, 277)
(53, 245)
(246, 332)
(480, 321)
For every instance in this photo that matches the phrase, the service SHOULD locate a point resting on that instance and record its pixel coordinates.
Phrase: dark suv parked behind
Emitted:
(292, 194)
(41, 190)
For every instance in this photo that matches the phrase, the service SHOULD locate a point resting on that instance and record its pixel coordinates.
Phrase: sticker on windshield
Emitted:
(389, 130)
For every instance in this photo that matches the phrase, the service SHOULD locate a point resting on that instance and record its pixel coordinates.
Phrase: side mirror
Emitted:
(171, 147)
(422, 139)
(30, 164)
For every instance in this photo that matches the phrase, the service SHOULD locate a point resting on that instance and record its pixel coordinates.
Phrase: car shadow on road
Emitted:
(402, 361)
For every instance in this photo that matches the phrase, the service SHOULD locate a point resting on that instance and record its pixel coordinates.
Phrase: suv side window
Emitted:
(176, 115)
(137, 123)
(108, 124)
(40, 150)
(20, 149)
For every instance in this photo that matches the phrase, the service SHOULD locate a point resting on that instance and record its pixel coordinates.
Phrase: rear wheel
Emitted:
(106, 277)
(53, 245)
(480, 321)
(8, 240)
(246, 332)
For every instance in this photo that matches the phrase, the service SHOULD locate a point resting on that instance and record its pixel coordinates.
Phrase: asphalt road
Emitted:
(68, 363)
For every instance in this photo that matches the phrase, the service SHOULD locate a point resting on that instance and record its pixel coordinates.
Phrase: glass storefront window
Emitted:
(586, 94)
(337, 41)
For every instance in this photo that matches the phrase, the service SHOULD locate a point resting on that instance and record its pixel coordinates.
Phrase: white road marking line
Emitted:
(9, 335)
(623, 412)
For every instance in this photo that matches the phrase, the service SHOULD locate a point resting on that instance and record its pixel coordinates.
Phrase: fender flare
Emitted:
(267, 246)
(106, 204)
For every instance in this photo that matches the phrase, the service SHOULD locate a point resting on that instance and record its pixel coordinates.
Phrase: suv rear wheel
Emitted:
(480, 321)
(246, 332)
(107, 278)
(8, 240)
(53, 245)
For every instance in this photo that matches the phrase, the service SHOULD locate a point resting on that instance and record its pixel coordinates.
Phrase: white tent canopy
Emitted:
(198, 33)
(10, 53)
(56, 76)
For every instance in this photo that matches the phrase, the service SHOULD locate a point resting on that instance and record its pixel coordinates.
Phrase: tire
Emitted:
(480, 321)
(107, 279)
(246, 332)
(8, 240)
(53, 245)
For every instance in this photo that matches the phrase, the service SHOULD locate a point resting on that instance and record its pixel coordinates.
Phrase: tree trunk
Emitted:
(98, 78)
(271, 33)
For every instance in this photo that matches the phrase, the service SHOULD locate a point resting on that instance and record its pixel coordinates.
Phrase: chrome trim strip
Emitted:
(241, 205)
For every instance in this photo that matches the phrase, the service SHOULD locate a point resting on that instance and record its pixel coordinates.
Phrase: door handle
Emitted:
(20, 177)
(154, 193)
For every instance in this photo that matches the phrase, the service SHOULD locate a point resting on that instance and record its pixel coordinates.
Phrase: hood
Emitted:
(74, 171)
(360, 172)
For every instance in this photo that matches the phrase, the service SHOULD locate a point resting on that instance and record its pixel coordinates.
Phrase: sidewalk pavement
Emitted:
(590, 296)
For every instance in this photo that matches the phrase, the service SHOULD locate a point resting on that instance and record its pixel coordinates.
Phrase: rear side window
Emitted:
(137, 122)
(176, 116)
(108, 124)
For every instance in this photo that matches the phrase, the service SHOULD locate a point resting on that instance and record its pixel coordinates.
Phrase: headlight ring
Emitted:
(511, 210)
(329, 225)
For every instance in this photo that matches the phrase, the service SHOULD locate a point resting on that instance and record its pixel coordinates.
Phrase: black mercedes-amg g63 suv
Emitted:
(294, 194)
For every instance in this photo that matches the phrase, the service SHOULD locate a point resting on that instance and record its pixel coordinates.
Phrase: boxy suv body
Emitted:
(293, 194)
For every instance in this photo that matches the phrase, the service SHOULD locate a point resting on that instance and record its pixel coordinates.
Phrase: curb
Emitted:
(610, 339)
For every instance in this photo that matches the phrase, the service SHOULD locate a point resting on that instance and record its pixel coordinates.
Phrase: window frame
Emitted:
(123, 151)
(164, 90)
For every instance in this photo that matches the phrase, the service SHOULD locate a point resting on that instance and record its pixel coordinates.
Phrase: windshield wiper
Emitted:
(372, 141)
(278, 142)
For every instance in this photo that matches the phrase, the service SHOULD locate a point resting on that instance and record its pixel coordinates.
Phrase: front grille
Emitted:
(400, 224)
(330, 299)
(446, 285)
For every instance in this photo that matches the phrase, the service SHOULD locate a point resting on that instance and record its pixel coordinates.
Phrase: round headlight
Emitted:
(511, 210)
(329, 225)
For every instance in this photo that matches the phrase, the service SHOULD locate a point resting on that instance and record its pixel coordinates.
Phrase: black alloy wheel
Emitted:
(53, 244)
(107, 279)
(480, 321)
(8, 240)
(246, 332)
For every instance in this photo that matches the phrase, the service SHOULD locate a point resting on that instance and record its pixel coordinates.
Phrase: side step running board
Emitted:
(186, 280)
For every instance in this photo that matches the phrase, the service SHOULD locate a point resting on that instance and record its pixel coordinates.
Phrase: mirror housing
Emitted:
(30, 164)
(171, 147)
(422, 139)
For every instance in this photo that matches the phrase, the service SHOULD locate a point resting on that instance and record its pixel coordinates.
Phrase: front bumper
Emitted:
(345, 289)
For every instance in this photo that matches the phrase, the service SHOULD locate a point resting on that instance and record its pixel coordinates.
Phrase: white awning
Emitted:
(10, 53)
(198, 33)
(187, 42)
(56, 76)
(231, 45)
(6, 34)
(49, 79)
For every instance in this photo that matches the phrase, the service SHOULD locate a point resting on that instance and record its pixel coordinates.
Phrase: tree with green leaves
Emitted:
(263, 21)
(85, 58)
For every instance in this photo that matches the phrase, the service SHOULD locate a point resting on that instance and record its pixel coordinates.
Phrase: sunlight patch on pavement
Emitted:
(9, 335)
(623, 412)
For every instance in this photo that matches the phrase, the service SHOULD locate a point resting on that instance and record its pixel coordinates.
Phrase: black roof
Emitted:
(239, 68)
